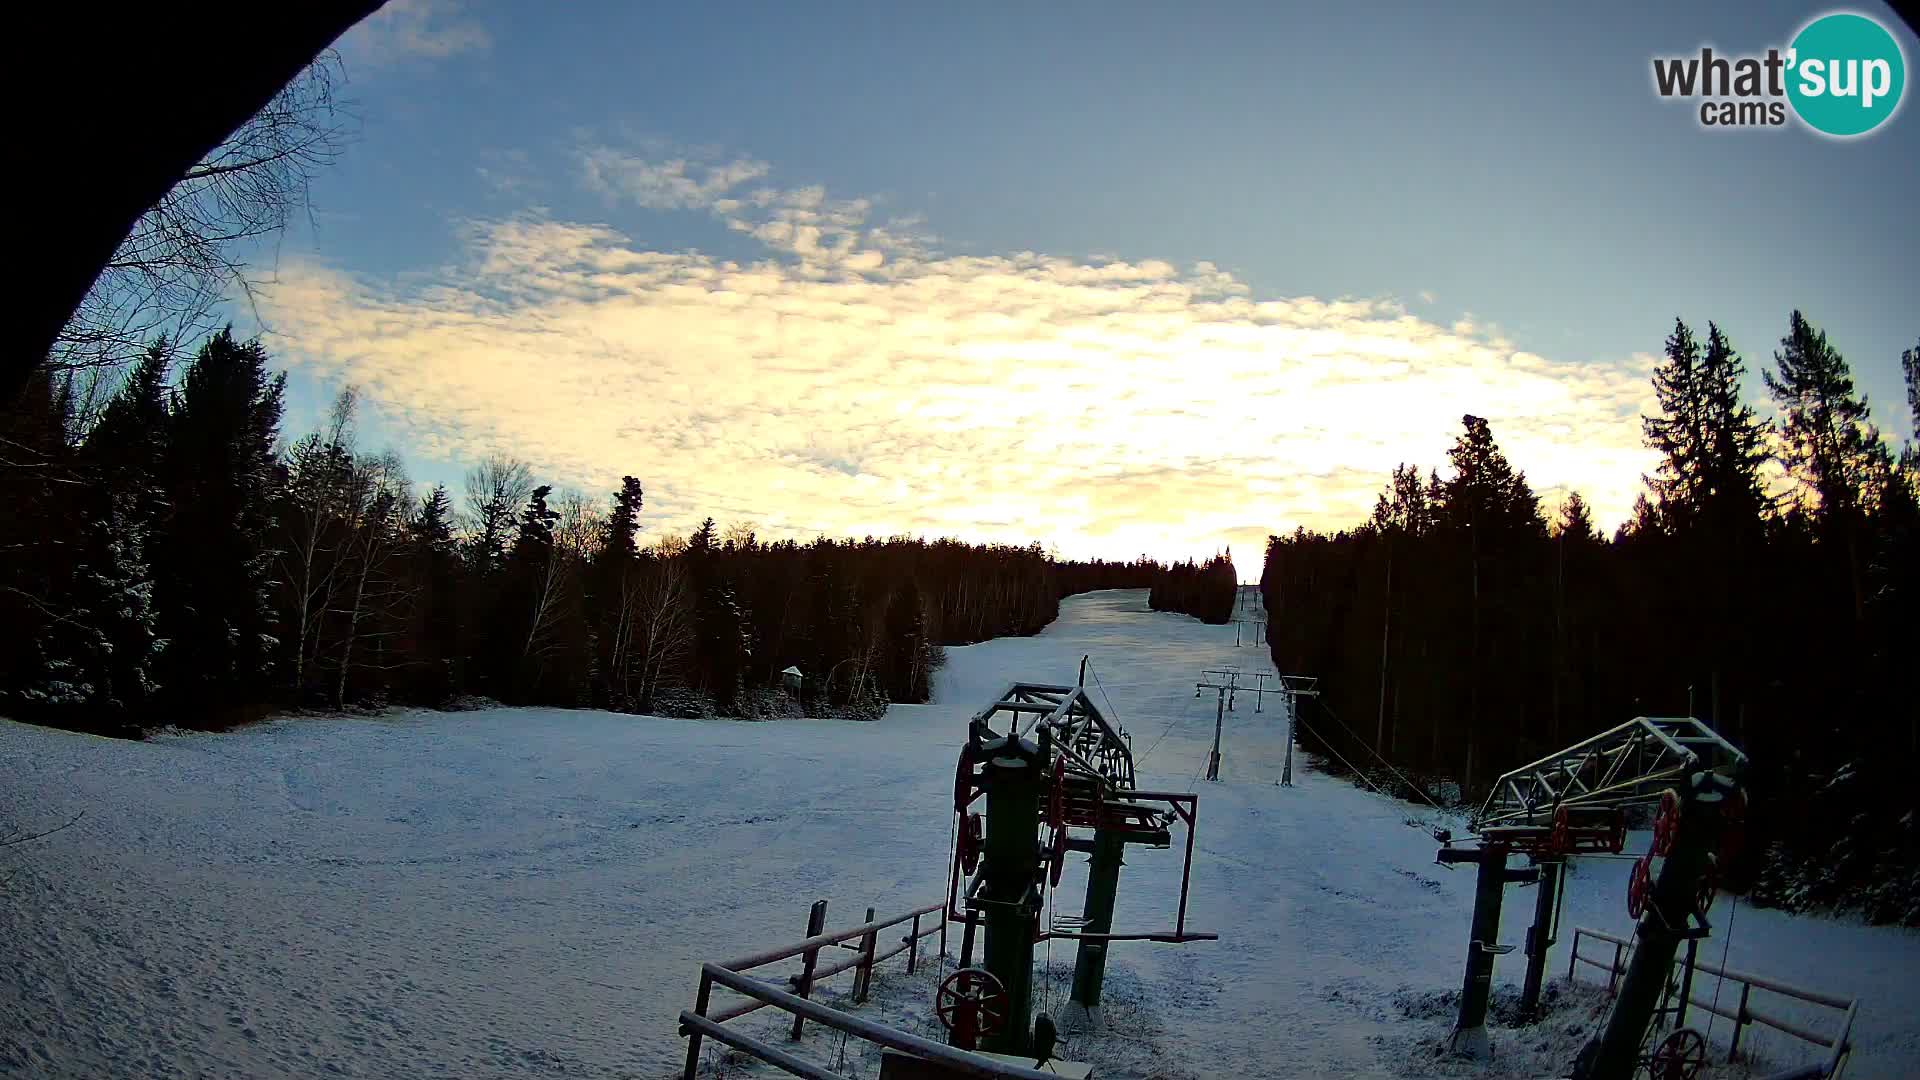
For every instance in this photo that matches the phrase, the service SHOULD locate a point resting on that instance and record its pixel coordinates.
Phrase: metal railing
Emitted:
(1742, 1013)
(791, 995)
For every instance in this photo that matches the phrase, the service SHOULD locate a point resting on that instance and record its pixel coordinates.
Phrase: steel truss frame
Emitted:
(1631, 763)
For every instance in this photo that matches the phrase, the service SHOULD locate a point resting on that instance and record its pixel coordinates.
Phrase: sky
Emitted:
(1119, 278)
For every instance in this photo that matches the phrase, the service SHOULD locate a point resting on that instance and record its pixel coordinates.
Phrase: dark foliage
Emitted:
(1459, 634)
(1206, 591)
(173, 566)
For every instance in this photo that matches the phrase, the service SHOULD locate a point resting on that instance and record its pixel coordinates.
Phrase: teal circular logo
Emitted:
(1845, 74)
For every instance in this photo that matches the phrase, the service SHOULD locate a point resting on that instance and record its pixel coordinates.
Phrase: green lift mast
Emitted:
(1056, 777)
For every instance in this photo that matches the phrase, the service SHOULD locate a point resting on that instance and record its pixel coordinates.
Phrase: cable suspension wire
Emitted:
(1324, 707)
(1726, 946)
(1364, 778)
(1171, 724)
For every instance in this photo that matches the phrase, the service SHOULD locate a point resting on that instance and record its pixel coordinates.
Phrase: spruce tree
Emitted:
(1829, 439)
(215, 558)
(1677, 433)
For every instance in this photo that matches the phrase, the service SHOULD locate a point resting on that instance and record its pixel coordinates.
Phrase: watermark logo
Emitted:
(1843, 75)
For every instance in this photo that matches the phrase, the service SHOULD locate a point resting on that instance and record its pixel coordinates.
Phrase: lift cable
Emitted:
(1726, 946)
(1364, 778)
(1322, 702)
(1171, 724)
(1140, 761)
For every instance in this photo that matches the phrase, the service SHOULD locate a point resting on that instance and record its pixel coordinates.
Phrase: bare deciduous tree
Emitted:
(187, 253)
(496, 488)
(319, 468)
(660, 600)
(375, 519)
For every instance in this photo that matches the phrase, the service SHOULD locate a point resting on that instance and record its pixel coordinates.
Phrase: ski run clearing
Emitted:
(530, 892)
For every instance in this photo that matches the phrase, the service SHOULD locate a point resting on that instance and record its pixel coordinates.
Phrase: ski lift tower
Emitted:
(1575, 801)
(1052, 773)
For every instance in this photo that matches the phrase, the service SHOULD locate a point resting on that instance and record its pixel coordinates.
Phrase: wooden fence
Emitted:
(792, 993)
(1741, 1012)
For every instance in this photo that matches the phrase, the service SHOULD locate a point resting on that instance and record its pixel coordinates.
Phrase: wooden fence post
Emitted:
(816, 922)
(913, 945)
(1740, 1020)
(693, 1038)
(863, 972)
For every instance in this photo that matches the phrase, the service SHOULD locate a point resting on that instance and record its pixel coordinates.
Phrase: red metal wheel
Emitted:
(1639, 884)
(971, 842)
(1709, 887)
(1666, 823)
(1680, 1056)
(963, 780)
(1058, 856)
(1733, 825)
(971, 1002)
(1560, 839)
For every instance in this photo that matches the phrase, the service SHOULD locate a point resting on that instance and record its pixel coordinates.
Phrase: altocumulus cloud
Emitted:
(856, 380)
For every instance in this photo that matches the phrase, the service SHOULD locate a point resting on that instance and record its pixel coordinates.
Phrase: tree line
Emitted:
(1207, 591)
(176, 560)
(1765, 583)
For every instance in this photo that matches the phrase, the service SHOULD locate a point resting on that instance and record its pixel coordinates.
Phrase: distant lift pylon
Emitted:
(1056, 777)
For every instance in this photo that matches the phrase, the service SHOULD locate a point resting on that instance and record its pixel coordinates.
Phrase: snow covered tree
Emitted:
(723, 637)
(214, 559)
(435, 558)
(314, 505)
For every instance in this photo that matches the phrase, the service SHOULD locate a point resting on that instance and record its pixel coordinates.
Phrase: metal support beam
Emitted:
(1293, 712)
(1103, 883)
(1219, 718)
(1470, 1031)
(1614, 1053)
(1010, 898)
(1540, 937)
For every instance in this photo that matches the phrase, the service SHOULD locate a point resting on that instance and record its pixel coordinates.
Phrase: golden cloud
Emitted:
(855, 381)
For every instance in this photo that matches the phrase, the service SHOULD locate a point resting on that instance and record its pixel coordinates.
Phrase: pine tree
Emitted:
(1733, 441)
(1829, 439)
(623, 526)
(436, 560)
(1910, 367)
(1678, 433)
(1830, 443)
(215, 560)
(1576, 521)
(911, 654)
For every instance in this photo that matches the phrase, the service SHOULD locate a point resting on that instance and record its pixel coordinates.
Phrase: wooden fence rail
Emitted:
(792, 994)
(1742, 1013)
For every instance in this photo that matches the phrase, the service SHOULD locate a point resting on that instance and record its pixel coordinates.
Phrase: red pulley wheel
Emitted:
(963, 780)
(1733, 825)
(1709, 886)
(1680, 1056)
(1639, 884)
(1058, 856)
(970, 843)
(1666, 823)
(1560, 840)
(971, 1002)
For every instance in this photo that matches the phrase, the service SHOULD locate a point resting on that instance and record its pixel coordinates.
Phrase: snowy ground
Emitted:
(519, 893)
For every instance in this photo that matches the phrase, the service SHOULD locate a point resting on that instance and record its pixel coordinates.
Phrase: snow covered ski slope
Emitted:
(525, 892)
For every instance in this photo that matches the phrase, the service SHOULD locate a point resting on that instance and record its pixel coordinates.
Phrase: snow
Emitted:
(530, 892)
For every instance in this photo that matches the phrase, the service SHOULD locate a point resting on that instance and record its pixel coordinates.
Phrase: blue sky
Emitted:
(584, 213)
